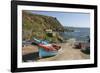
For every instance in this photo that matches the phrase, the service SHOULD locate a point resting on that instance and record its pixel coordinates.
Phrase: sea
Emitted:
(80, 34)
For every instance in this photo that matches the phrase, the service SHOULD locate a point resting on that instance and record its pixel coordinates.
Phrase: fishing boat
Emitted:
(44, 53)
(49, 47)
(83, 46)
(86, 48)
(45, 48)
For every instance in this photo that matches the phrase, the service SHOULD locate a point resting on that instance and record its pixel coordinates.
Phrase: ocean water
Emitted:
(80, 34)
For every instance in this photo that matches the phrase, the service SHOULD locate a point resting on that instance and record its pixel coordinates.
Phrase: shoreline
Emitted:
(68, 52)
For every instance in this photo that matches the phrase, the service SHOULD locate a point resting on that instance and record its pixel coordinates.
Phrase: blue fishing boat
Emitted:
(45, 48)
(44, 53)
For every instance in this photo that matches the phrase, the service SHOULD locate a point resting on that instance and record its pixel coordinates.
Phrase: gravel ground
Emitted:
(67, 52)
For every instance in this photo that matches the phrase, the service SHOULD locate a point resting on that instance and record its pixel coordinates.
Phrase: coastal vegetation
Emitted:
(41, 26)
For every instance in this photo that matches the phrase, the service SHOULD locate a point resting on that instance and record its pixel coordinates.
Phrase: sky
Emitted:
(72, 19)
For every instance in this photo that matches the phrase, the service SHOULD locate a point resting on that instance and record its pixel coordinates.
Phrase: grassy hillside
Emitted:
(35, 25)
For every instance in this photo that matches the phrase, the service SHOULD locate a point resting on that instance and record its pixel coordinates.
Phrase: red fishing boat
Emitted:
(50, 47)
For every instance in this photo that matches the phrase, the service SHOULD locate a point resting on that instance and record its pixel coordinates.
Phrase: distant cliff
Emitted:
(35, 24)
